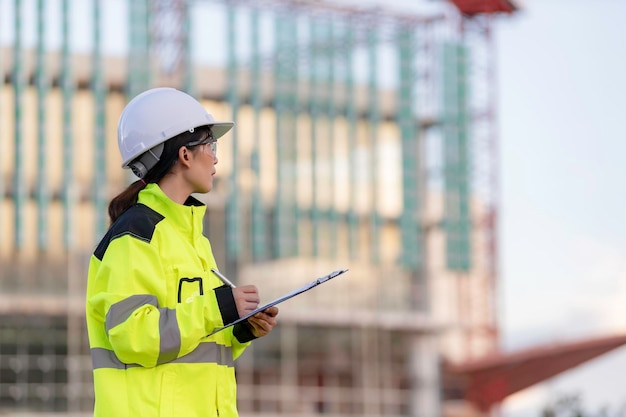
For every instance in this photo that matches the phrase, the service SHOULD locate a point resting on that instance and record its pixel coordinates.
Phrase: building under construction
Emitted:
(365, 139)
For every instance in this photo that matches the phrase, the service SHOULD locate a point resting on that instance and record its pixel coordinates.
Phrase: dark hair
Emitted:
(169, 156)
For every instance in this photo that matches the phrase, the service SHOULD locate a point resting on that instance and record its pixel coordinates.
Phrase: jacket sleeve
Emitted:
(242, 336)
(128, 294)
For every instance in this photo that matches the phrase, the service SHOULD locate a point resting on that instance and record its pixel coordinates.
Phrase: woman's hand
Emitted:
(246, 299)
(263, 322)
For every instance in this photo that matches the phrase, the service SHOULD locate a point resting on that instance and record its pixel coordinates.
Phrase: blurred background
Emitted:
(459, 157)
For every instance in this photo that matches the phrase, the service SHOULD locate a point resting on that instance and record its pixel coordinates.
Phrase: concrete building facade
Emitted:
(359, 143)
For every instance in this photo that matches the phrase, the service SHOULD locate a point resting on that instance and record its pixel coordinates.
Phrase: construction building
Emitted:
(365, 139)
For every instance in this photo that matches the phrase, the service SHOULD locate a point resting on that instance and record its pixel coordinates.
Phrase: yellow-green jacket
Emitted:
(151, 301)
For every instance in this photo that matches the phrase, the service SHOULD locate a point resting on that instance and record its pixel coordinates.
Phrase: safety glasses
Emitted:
(208, 140)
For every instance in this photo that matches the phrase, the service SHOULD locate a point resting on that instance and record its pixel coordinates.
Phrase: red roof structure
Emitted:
(474, 7)
(489, 381)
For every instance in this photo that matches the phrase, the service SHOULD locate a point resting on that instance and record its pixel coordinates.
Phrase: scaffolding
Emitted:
(365, 139)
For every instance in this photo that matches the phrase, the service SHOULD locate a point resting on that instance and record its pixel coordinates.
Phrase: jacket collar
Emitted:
(187, 217)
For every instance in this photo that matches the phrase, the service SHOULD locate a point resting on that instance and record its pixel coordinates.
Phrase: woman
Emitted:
(151, 298)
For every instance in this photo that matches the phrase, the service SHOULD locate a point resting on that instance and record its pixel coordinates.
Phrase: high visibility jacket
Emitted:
(151, 302)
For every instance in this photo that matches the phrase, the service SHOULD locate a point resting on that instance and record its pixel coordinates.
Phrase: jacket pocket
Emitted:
(187, 283)
(188, 288)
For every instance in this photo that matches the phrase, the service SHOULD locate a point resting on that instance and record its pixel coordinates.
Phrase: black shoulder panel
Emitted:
(139, 221)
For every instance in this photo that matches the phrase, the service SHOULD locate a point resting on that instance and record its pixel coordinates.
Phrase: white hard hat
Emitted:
(155, 116)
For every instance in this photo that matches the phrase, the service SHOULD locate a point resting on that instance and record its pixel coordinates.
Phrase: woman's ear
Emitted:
(184, 156)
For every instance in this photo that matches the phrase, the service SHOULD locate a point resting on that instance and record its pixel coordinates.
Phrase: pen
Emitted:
(223, 278)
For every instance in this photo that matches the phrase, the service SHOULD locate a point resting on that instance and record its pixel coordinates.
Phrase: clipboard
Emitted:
(285, 297)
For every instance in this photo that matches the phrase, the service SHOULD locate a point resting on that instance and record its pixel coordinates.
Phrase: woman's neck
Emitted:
(172, 186)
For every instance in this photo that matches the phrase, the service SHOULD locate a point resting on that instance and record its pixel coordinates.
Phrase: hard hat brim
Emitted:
(219, 129)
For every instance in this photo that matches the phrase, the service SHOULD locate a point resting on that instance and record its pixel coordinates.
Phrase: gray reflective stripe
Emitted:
(169, 335)
(120, 311)
(104, 358)
(208, 352)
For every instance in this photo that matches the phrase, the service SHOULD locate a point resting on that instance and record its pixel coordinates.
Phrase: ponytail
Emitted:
(125, 199)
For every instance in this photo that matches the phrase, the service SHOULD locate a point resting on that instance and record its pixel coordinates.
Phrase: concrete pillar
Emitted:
(425, 379)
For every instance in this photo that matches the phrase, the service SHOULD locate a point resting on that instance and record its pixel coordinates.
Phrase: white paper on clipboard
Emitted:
(285, 297)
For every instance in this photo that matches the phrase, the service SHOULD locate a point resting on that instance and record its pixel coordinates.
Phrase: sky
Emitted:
(562, 93)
